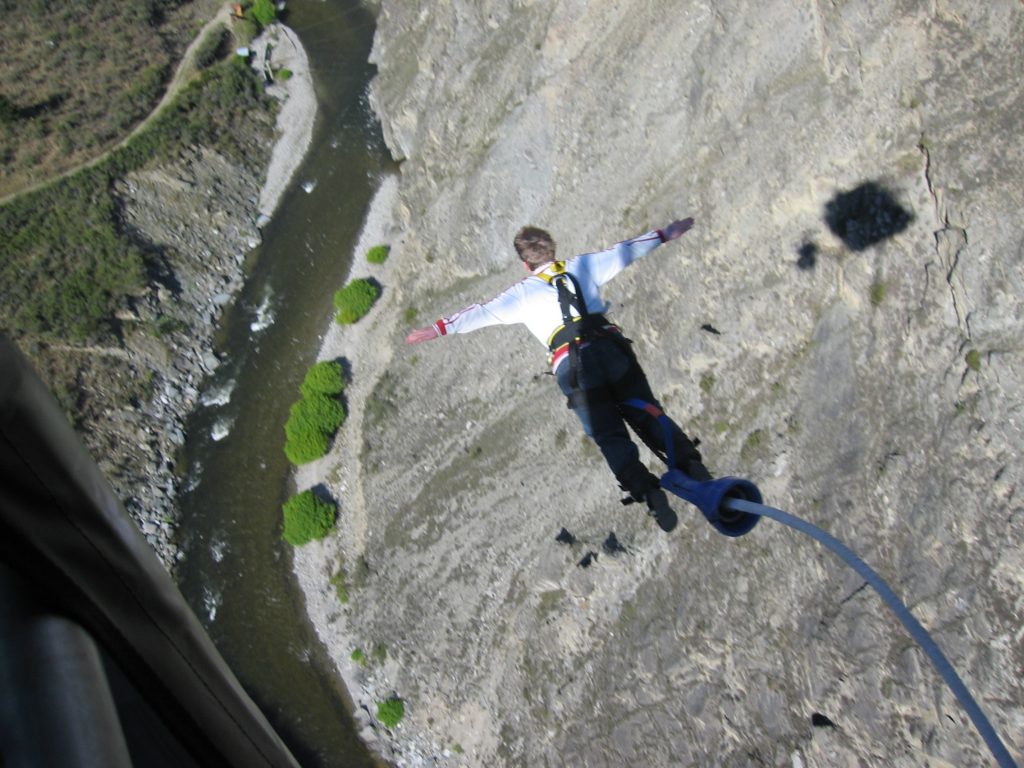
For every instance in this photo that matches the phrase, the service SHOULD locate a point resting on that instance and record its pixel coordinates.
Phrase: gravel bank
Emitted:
(297, 116)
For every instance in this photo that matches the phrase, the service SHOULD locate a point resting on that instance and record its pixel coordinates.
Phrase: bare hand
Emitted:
(677, 228)
(421, 334)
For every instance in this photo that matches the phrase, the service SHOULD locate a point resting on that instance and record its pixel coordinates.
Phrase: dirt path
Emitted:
(117, 352)
(183, 75)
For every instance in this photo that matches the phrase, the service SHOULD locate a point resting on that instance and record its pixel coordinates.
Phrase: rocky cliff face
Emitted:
(202, 271)
(842, 326)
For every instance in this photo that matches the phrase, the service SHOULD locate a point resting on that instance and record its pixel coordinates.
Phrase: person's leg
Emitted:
(600, 415)
(617, 447)
(634, 386)
(601, 420)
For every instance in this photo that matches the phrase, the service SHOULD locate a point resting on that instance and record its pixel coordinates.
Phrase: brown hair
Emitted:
(535, 246)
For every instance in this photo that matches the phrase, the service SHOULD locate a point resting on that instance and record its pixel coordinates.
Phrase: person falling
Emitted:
(594, 363)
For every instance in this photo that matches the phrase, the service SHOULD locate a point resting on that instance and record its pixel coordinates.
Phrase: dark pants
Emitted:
(608, 375)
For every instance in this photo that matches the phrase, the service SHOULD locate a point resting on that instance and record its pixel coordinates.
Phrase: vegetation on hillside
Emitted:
(378, 254)
(323, 378)
(66, 265)
(77, 75)
(390, 712)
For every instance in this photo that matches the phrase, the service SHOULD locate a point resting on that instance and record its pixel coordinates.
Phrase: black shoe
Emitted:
(658, 508)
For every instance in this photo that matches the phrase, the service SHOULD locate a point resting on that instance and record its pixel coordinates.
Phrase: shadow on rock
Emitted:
(865, 216)
(808, 256)
(323, 492)
(613, 546)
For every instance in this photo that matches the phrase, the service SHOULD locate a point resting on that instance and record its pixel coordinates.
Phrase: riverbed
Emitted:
(236, 572)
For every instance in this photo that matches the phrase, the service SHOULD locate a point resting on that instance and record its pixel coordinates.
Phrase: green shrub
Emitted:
(283, 74)
(324, 378)
(973, 359)
(752, 445)
(318, 411)
(390, 712)
(359, 657)
(148, 86)
(8, 111)
(307, 518)
(378, 254)
(355, 300)
(877, 292)
(340, 583)
(245, 31)
(305, 444)
(165, 326)
(264, 12)
(312, 421)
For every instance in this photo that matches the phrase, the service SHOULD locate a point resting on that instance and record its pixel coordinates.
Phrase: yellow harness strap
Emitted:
(568, 333)
(550, 273)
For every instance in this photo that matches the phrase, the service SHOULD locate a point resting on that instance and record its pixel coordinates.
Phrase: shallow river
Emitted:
(237, 572)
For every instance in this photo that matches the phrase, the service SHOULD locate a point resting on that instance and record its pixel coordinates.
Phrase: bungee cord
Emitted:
(734, 506)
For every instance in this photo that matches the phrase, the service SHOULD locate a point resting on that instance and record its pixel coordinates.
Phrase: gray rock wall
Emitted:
(138, 443)
(866, 375)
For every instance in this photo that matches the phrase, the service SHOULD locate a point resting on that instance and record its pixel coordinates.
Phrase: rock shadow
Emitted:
(819, 720)
(612, 546)
(564, 537)
(346, 368)
(864, 216)
(323, 493)
(158, 265)
(807, 256)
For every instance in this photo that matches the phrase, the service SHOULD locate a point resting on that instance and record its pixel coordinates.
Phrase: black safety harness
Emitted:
(576, 330)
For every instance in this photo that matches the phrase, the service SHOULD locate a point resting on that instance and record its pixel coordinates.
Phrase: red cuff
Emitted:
(441, 330)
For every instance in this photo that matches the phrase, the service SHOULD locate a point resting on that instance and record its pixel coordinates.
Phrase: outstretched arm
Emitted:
(503, 309)
(604, 265)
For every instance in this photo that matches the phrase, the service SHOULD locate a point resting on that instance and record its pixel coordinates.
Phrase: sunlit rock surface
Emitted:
(842, 326)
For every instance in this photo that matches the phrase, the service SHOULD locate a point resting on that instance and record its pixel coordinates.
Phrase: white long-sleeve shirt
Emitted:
(533, 301)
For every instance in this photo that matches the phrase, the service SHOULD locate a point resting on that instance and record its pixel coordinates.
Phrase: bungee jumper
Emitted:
(597, 370)
(594, 363)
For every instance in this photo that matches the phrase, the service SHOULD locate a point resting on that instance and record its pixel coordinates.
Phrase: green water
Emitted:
(236, 573)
